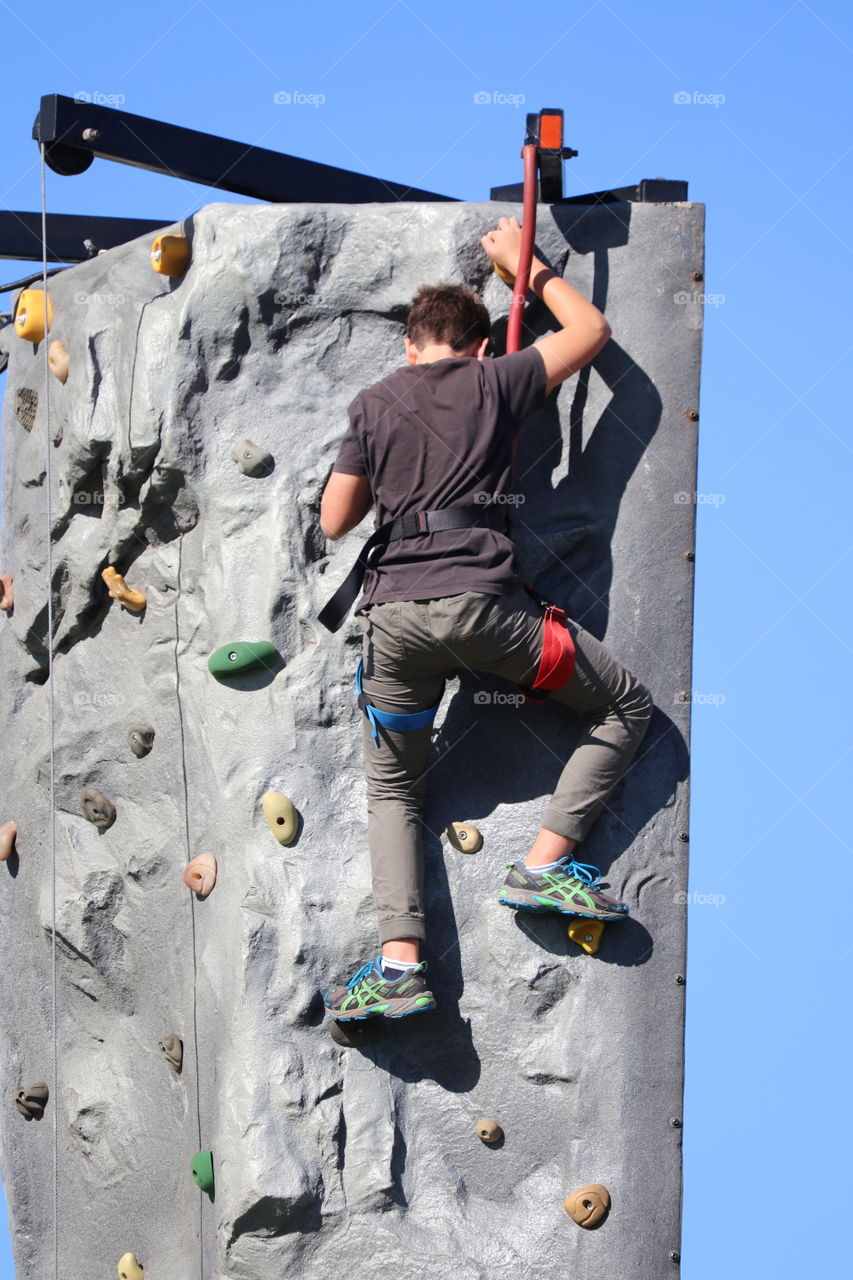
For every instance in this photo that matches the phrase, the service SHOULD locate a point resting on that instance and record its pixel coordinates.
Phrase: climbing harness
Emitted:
(400, 723)
(415, 524)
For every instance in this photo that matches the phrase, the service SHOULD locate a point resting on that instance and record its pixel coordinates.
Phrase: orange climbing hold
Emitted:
(29, 315)
(200, 874)
(170, 255)
(119, 590)
(8, 834)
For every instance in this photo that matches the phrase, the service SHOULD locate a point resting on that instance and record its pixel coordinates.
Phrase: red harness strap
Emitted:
(558, 654)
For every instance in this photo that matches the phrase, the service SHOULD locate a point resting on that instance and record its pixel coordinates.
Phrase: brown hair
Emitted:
(447, 313)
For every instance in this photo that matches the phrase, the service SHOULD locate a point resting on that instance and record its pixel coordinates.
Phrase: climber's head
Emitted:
(446, 320)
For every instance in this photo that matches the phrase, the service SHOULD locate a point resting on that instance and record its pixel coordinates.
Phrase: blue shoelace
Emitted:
(584, 872)
(362, 973)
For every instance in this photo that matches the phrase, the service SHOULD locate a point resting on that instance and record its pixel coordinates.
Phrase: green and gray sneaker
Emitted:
(369, 993)
(569, 887)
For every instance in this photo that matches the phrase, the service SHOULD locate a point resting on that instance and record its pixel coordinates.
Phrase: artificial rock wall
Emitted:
(330, 1160)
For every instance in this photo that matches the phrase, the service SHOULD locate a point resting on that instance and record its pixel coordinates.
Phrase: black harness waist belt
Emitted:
(416, 524)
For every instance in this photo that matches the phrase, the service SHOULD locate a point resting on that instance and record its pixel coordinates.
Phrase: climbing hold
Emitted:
(464, 837)
(173, 1050)
(32, 1101)
(8, 832)
(7, 594)
(170, 255)
(587, 934)
(506, 276)
(353, 1033)
(97, 809)
(202, 1170)
(129, 1268)
(251, 460)
(588, 1205)
(119, 590)
(200, 874)
(57, 359)
(29, 315)
(141, 739)
(242, 655)
(281, 815)
(489, 1130)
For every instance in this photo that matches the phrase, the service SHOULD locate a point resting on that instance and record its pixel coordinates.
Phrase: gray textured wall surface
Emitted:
(330, 1160)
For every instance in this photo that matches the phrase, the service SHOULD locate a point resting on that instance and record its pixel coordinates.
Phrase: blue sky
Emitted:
(389, 88)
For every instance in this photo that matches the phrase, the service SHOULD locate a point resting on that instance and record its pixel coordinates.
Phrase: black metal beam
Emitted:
(75, 132)
(648, 191)
(67, 234)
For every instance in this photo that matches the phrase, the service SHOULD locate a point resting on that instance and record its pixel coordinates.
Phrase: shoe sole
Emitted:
(563, 911)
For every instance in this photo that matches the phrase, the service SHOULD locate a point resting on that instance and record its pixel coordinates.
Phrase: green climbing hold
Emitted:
(202, 1170)
(242, 655)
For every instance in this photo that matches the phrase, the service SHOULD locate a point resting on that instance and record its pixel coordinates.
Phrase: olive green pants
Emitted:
(410, 646)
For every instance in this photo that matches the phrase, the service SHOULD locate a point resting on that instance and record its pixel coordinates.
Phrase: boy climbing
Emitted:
(432, 445)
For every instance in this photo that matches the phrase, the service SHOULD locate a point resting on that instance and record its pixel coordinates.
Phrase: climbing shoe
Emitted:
(369, 993)
(569, 887)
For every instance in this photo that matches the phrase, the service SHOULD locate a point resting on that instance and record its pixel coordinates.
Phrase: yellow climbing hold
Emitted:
(464, 837)
(281, 815)
(170, 255)
(489, 1130)
(129, 1268)
(587, 934)
(8, 832)
(200, 874)
(588, 1205)
(119, 590)
(57, 359)
(29, 315)
(506, 276)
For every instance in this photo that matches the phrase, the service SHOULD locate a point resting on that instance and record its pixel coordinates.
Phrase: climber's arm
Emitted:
(346, 501)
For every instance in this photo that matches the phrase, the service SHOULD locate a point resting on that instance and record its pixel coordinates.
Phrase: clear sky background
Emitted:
(764, 142)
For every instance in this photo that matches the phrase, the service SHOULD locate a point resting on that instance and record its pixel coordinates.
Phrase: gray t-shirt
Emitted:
(440, 435)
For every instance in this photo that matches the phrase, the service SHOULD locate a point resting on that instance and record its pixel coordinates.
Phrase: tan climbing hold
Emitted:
(464, 837)
(170, 255)
(588, 1205)
(8, 832)
(140, 738)
(489, 1130)
(281, 816)
(29, 315)
(173, 1050)
(32, 1100)
(119, 590)
(129, 1269)
(200, 874)
(97, 809)
(7, 593)
(57, 358)
(587, 934)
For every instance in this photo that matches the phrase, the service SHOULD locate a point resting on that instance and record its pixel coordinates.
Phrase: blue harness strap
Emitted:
(390, 719)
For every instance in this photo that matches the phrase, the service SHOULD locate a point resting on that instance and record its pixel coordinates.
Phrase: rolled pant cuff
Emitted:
(563, 824)
(402, 927)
